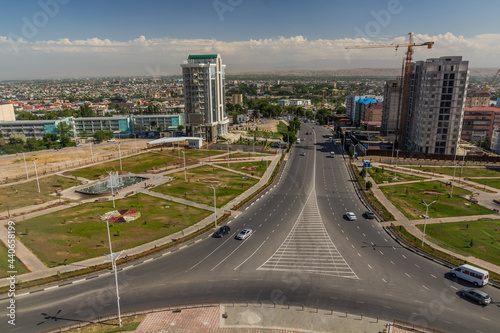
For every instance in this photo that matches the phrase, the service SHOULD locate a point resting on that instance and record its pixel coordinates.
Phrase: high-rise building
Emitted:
(392, 105)
(203, 78)
(435, 109)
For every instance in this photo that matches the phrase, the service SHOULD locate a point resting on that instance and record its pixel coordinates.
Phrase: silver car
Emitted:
(476, 295)
(245, 233)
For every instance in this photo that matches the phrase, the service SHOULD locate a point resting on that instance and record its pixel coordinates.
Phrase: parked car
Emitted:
(476, 295)
(369, 214)
(350, 216)
(79, 144)
(245, 233)
(224, 230)
(112, 140)
(303, 153)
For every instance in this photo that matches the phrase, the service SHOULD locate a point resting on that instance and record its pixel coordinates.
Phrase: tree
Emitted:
(102, 135)
(17, 139)
(64, 129)
(180, 128)
(85, 111)
(49, 139)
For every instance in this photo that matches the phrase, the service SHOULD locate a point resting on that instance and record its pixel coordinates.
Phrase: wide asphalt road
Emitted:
(303, 251)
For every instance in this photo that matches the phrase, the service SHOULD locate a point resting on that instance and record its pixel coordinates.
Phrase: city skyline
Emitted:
(63, 39)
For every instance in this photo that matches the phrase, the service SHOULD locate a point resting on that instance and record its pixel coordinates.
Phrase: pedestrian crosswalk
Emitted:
(308, 248)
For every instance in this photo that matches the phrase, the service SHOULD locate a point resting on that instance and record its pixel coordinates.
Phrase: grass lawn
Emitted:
(481, 171)
(196, 154)
(4, 264)
(77, 233)
(493, 182)
(194, 189)
(484, 235)
(407, 198)
(128, 324)
(24, 194)
(381, 175)
(254, 168)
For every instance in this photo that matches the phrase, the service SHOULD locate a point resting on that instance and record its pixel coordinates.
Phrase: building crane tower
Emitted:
(406, 77)
(487, 86)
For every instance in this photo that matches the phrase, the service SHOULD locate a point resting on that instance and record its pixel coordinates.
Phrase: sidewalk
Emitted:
(39, 270)
(484, 199)
(254, 318)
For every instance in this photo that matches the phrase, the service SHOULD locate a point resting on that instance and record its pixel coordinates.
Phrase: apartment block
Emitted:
(392, 107)
(436, 100)
(203, 79)
(479, 122)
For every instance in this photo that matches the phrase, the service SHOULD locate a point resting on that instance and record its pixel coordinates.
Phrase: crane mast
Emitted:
(406, 77)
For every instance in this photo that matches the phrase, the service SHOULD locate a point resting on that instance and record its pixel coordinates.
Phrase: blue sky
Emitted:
(123, 37)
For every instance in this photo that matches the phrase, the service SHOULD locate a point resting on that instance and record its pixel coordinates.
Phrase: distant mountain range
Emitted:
(487, 72)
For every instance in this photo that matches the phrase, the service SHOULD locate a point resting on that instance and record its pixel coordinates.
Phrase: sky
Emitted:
(42, 39)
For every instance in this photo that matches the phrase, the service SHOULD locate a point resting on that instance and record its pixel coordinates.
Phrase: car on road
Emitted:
(476, 295)
(224, 230)
(245, 233)
(111, 140)
(350, 216)
(79, 145)
(369, 214)
(303, 153)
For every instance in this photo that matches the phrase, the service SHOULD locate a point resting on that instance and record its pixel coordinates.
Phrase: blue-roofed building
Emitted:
(361, 105)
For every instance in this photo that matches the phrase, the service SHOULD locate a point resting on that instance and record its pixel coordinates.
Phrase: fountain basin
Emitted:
(103, 187)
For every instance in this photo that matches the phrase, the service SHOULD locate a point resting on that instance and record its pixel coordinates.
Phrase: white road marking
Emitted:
(425, 287)
(407, 275)
(250, 256)
(370, 266)
(433, 276)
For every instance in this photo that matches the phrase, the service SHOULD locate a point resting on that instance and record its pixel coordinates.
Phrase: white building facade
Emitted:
(205, 113)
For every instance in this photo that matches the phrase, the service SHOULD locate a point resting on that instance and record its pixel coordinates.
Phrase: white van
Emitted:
(477, 276)
(332, 154)
(298, 140)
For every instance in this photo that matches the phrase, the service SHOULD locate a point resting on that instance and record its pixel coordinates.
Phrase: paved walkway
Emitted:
(39, 270)
(484, 199)
(256, 319)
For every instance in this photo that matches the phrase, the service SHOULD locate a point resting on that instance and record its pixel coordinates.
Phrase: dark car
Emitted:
(476, 295)
(224, 230)
(369, 214)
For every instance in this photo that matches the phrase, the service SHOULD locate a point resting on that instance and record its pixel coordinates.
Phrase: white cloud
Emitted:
(98, 57)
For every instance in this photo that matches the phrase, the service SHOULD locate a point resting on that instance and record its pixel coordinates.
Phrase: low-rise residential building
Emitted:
(479, 122)
(165, 123)
(294, 102)
(7, 112)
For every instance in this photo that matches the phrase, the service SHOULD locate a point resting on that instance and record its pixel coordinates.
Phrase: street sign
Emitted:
(367, 164)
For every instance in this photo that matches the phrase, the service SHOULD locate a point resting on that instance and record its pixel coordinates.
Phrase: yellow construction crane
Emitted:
(487, 86)
(406, 77)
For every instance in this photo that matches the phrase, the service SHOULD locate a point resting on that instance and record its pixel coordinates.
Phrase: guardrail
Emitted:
(98, 320)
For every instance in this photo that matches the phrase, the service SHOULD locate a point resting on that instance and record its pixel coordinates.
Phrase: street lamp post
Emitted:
(36, 175)
(26, 166)
(396, 169)
(184, 155)
(91, 154)
(111, 185)
(113, 257)
(120, 155)
(215, 203)
(462, 169)
(426, 213)
(228, 153)
(454, 171)
(135, 140)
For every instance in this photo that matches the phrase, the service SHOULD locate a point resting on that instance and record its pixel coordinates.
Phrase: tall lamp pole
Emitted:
(120, 155)
(135, 140)
(91, 154)
(111, 184)
(184, 155)
(228, 153)
(36, 175)
(26, 166)
(454, 171)
(426, 212)
(113, 257)
(462, 170)
(396, 169)
(215, 204)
